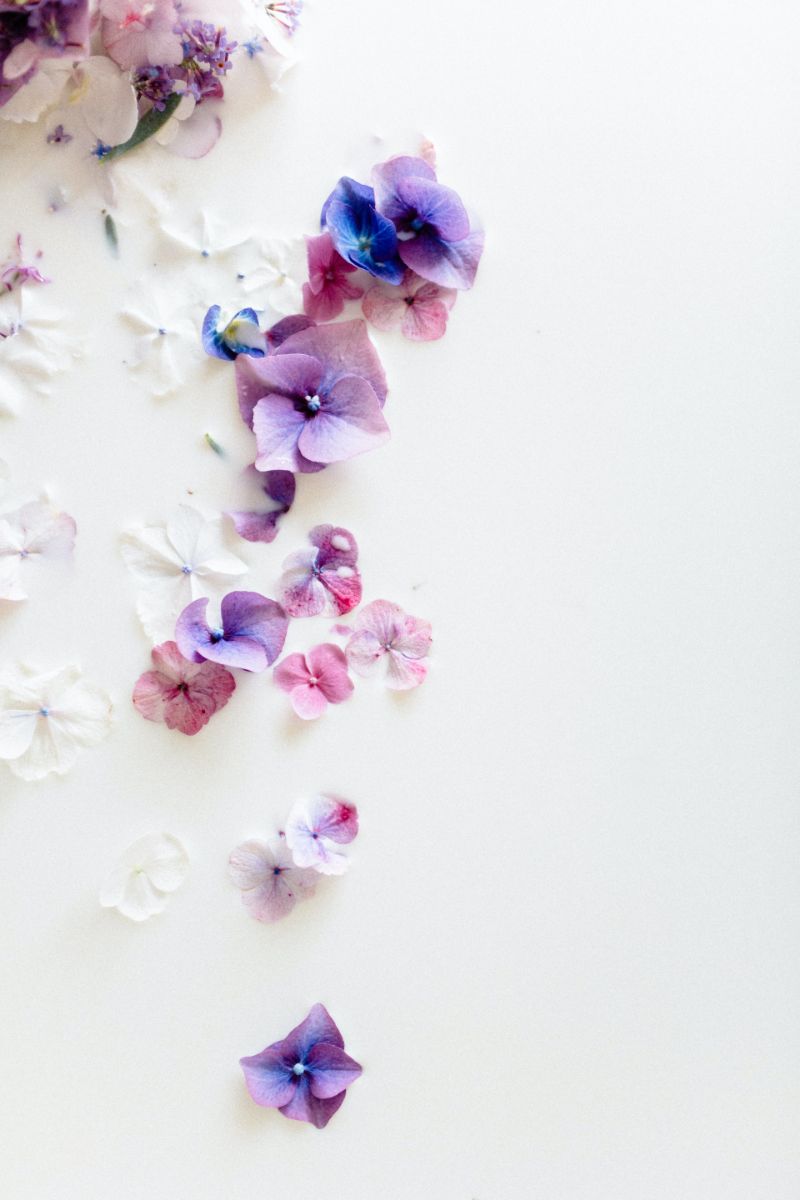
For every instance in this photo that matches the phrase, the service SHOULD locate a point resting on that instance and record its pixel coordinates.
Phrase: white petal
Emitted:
(109, 102)
(42, 91)
(184, 529)
(139, 900)
(149, 555)
(150, 868)
(159, 607)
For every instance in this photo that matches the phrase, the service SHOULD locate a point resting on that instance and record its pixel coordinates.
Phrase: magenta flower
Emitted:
(384, 634)
(182, 694)
(306, 1075)
(418, 308)
(323, 578)
(316, 830)
(328, 286)
(316, 400)
(251, 634)
(434, 237)
(315, 680)
(141, 33)
(253, 526)
(270, 881)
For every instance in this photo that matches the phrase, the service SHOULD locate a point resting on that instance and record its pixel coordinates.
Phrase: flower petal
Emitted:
(331, 1069)
(269, 1081)
(349, 423)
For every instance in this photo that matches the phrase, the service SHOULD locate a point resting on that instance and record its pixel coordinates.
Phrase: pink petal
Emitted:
(278, 426)
(292, 672)
(364, 651)
(328, 663)
(384, 308)
(350, 423)
(425, 320)
(308, 701)
(404, 673)
(198, 134)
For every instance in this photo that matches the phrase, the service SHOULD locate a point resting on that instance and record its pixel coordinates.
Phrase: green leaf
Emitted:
(149, 124)
(111, 234)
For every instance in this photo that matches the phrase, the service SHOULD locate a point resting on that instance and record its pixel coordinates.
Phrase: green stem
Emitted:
(149, 124)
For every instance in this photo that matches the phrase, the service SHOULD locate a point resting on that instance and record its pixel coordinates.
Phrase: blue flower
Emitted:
(362, 235)
(241, 335)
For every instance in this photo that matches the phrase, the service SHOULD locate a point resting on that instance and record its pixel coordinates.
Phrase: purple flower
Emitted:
(324, 578)
(315, 680)
(279, 486)
(316, 400)
(362, 235)
(250, 636)
(240, 335)
(206, 57)
(15, 273)
(433, 229)
(59, 136)
(184, 695)
(306, 1075)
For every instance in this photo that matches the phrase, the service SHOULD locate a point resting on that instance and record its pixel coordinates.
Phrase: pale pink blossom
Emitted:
(184, 695)
(140, 33)
(417, 308)
(314, 680)
(270, 881)
(386, 637)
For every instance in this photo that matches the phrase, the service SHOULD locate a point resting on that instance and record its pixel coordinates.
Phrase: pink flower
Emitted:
(182, 694)
(324, 578)
(271, 883)
(14, 273)
(315, 680)
(328, 286)
(141, 33)
(418, 308)
(383, 633)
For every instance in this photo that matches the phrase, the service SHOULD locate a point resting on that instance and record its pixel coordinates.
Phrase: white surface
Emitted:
(567, 952)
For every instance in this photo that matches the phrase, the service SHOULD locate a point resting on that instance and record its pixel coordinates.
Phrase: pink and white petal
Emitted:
(109, 103)
(403, 673)
(308, 701)
(425, 321)
(383, 618)
(149, 695)
(364, 652)
(384, 308)
(301, 592)
(270, 902)
(198, 134)
(250, 864)
(414, 641)
(333, 817)
(344, 589)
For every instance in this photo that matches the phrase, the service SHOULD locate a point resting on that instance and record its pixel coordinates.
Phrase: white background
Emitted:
(567, 951)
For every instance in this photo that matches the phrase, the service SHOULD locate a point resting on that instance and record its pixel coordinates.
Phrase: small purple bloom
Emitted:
(361, 234)
(316, 400)
(241, 335)
(306, 1075)
(59, 136)
(278, 486)
(251, 633)
(433, 229)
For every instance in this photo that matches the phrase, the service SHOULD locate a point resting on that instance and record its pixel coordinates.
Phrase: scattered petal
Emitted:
(316, 830)
(150, 870)
(270, 881)
(183, 695)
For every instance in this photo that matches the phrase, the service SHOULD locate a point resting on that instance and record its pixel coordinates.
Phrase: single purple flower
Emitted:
(250, 636)
(316, 400)
(323, 578)
(59, 136)
(278, 486)
(433, 229)
(306, 1075)
(362, 235)
(240, 335)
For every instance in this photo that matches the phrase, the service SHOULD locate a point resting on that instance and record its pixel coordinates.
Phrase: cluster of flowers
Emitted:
(127, 70)
(192, 677)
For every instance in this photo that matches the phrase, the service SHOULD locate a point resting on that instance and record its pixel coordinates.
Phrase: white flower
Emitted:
(100, 97)
(177, 563)
(39, 93)
(276, 279)
(34, 345)
(45, 719)
(36, 530)
(316, 831)
(149, 870)
(168, 342)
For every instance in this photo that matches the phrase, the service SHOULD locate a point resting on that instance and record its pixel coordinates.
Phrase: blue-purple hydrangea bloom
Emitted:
(241, 335)
(250, 635)
(306, 1075)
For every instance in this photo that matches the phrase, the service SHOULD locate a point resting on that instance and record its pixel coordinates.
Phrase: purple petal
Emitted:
(269, 1080)
(293, 375)
(332, 1070)
(253, 618)
(263, 526)
(435, 205)
(283, 329)
(450, 264)
(349, 423)
(343, 348)
(192, 633)
(278, 426)
(318, 1026)
(333, 818)
(304, 1106)
(387, 177)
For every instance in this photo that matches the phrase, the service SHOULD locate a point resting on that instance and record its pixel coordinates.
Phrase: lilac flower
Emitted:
(316, 830)
(324, 578)
(14, 273)
(206, 57)
(328, 287)
(433, 229)
(362, 235)
(286, 13)
(304, 1076)
(184, 695)
(385, 635)
(59, 136)
(240, 335)
(139, 34)
(250, 636)
(279, 486)
(418, 308)
(270, 880)
(316, 400)
(315, 680)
